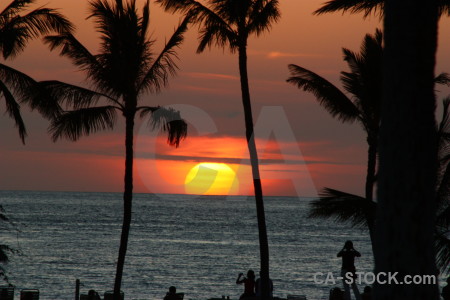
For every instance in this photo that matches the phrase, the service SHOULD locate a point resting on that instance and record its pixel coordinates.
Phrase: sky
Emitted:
(302, 148)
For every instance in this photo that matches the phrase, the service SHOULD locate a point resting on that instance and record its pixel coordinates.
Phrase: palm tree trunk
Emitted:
(370, 182)
(263, 242)
(408, 150)
(127, 202)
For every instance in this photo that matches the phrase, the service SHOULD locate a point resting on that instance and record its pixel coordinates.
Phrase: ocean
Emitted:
(197, 243)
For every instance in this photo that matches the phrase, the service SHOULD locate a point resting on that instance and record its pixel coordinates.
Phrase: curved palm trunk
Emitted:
(263, 242)
(408, 150)
(127, 203)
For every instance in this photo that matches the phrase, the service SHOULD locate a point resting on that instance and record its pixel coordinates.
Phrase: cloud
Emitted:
(207, 90)
(233, 150)
(239, 160)
(277, 54)
(211, 76)
(280, 54)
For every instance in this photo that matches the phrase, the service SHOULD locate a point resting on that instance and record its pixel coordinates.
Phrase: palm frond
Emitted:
(73, 96)
(364, 81)
(168, 120)
(145, 22)
(444, 125)
(443, 215)
(342, 207)
(329, 96)
(76, 52)
(13, 40)
(444, 154)
(27, 90)
(182, 6)
(218, 34)
(352, 81)
(369, 58)
(106, 16)
(202, 14)
(164, 65)
(3, 215)
(102, 9)
(443, 191)
(20, 29)
(43, 21)
(368, 7)
(13, 8)
(216, 30)
(445, 159)
(443, 78)
(262, 18)
(13, 110)
(4, 250)
(125, 49)
(442, 249)
(3, 275)
(443, 7)
(352, 6)
(73, 124)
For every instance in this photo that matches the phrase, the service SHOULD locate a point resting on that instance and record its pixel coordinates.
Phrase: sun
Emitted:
(211, 179)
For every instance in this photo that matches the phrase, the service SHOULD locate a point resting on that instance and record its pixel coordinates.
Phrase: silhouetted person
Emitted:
(446, 290)
(93, 295)
(258, 287)
(172, 294)
(336, 294)
(348, 254)
(367, 294)
(249, 284)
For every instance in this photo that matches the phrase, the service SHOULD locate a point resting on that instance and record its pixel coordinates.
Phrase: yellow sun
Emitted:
(211, 179)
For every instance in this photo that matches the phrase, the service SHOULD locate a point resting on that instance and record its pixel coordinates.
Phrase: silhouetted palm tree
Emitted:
(124, 69)
(15, 31)
(363, 83)
(230, 23)
(369, 6)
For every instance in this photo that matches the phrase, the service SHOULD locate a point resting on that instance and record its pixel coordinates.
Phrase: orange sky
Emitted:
(314, 151)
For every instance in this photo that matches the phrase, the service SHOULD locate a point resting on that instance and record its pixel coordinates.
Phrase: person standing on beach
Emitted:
(249, 284)
(93, 295)
(172, 294)
(348, 254)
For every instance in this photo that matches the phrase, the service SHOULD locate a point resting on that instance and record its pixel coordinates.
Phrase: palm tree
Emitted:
(120, 74)
(16, 30)
(363, 83)
(230, 23)
(369, 6)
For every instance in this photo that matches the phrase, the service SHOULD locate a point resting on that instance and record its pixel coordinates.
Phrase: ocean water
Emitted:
(198, 244)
